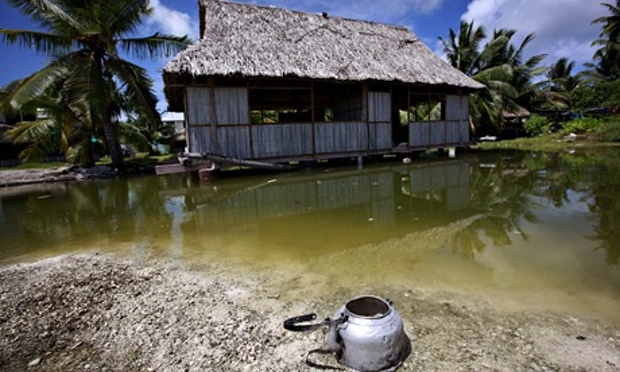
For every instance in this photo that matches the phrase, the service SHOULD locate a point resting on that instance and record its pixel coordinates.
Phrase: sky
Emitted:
(562, 28)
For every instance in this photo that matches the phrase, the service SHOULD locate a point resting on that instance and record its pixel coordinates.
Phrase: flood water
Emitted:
(520, 230)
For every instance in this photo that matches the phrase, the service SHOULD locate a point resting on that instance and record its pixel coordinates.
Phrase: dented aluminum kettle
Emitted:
(366, 334)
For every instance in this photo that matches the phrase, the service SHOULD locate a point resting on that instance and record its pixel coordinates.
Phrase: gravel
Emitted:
(96, 312)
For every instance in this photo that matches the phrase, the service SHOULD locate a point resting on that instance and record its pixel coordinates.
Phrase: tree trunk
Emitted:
(114, 147)
(89, 152)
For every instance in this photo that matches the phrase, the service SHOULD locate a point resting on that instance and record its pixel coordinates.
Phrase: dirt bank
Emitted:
(22, 177)
(19, 177)
(92, 312)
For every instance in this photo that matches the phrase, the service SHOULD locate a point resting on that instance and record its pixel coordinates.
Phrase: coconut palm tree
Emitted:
(463, 50)
(55, 131)
(561, 83)
(55, 128)
(86, 37)
(499, 65)
(608, 55)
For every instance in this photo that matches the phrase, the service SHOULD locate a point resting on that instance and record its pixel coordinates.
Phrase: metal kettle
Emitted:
(366, 334)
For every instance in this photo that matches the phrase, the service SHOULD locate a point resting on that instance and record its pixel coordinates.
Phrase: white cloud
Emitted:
(171, 21)
(562, 28)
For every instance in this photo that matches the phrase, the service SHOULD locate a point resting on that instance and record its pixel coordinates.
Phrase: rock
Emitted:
(570, 137)
(34, 362)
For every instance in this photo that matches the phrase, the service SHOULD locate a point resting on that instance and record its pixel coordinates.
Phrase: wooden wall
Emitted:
(218, 122)
(453, 131)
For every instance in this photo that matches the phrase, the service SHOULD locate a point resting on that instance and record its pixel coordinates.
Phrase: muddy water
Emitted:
(520, 230)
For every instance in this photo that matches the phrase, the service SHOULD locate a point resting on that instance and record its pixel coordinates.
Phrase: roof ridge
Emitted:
(323, 14)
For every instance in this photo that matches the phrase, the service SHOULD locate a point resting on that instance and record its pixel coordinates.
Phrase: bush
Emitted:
(610, 131)
(536, 125)
(582, 126)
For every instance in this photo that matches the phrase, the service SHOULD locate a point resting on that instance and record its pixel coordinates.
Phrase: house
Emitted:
(276, 85)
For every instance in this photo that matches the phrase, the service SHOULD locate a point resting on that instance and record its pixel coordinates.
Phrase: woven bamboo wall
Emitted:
(282, 140)
(227, 108)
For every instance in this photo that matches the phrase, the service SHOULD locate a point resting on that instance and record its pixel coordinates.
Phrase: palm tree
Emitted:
(561, 83)
(86, 36)
(464, 53)
(463, 50)
(608, 55)
(499, 65)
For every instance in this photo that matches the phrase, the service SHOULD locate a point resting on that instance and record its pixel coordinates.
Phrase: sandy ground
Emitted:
(96, 312)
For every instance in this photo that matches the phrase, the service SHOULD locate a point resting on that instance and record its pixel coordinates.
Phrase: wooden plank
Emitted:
(437, 133)
(235, 142)
(419, 134)
(231, 105)
(198, 111)
(341, 137)
(280, 140)
(379, 106)
(380, 136)
(452, 132)
(200, 139)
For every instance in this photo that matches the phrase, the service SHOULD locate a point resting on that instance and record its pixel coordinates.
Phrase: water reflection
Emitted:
(499, 220)
(378, 203)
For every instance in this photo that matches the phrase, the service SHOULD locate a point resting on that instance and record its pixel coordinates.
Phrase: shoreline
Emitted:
(16, 178)
(100, 312)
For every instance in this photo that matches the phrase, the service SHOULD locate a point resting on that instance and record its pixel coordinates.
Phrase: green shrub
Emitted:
(582, 126)
(610, 131)
(536, 125)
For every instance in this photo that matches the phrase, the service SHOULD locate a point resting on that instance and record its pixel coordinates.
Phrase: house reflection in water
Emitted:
(339, 206)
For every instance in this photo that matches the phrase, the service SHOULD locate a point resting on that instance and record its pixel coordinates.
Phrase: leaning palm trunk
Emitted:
(89, 154)
(112, 143)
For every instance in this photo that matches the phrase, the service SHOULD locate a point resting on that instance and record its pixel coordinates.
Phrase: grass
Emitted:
(589, 134)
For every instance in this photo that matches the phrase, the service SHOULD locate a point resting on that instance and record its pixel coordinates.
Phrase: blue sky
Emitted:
(562, 27)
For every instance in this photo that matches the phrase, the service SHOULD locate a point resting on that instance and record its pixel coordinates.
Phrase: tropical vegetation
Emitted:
(87, 86)
(516, 85)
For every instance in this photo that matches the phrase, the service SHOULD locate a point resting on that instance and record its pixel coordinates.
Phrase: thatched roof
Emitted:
(257, 41)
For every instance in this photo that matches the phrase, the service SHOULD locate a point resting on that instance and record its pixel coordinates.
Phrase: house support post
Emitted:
(360, 162)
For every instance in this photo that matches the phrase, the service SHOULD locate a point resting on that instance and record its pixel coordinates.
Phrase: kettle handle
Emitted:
(291, 324)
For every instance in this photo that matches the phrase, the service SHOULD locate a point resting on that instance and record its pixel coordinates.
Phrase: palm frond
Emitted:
(133, 136)
(41, 42)
(37, 84)
(86, 88)
(137, 85)
(43, 137)
(43, 11)
(125, 16)
(156, 45)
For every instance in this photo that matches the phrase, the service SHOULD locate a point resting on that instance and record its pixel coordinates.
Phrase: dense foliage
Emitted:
(515, 85)
(536, 125)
